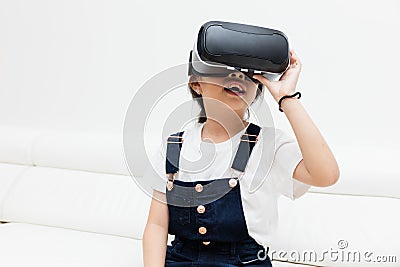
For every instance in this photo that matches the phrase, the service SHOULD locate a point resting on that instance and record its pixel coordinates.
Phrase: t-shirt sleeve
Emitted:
(287, 157)
(154, 173)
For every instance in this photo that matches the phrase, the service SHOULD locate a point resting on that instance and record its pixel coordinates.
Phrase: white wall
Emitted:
(77, 64)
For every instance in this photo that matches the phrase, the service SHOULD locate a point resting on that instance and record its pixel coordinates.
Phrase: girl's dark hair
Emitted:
(199, 99)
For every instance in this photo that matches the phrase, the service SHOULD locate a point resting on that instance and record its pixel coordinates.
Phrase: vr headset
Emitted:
(223, 47)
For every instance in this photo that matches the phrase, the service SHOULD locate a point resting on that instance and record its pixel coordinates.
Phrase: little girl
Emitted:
(209, 208)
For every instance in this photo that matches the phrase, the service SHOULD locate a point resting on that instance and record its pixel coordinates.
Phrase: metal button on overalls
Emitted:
(232, 182)
(202, 230)
(201, 209)
(207, 217)
(199, 187)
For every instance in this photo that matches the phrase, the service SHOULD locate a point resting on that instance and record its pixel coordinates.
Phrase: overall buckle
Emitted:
(248, 138)
(171, 179)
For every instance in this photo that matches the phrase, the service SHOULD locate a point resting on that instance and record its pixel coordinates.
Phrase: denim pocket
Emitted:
(179, 215)
(179, 206)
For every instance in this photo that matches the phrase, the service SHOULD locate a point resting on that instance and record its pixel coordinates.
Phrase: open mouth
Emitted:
(235, 88)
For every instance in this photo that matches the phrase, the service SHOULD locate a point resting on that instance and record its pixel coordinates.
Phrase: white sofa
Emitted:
(67, 199)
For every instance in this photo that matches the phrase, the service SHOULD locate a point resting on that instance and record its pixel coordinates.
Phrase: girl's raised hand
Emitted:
(287, 83)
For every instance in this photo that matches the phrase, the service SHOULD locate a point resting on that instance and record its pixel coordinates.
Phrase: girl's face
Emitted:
(243, 92)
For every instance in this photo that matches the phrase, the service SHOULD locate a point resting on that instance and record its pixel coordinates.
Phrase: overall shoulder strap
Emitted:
(247, 142)
(174, 145)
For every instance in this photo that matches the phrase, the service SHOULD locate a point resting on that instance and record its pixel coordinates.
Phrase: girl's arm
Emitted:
(318, 166)
(155, 236)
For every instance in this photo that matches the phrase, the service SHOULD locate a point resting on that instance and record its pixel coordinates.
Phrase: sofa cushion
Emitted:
(86, 201)
(9, 174)
(318, 222)
(16, 144)
(78, 150)
(366, 171)
(74, 149)
(23, 244)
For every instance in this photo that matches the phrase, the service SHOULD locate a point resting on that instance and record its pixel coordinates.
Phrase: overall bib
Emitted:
(207, 217)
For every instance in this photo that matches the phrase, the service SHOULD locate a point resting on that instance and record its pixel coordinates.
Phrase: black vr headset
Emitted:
(223, 47)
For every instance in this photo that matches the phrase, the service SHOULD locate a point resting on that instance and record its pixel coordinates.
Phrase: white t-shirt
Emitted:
(271, 164)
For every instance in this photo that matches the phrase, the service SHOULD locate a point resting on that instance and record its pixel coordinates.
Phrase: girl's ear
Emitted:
(195, 84)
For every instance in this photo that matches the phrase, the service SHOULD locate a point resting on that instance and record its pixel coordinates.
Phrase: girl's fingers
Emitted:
(262, 79)
(296, 60)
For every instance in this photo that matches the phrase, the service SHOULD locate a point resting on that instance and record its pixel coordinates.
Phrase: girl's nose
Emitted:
(242, 76)
(237, 75)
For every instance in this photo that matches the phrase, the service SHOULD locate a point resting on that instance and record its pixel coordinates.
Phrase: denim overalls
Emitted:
(207, 217)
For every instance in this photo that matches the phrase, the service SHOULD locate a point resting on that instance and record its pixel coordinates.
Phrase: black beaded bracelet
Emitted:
(287, 96)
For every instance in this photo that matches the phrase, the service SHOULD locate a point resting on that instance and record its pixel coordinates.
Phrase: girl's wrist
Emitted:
(283, 98)
(289, 103)
(284, 94)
